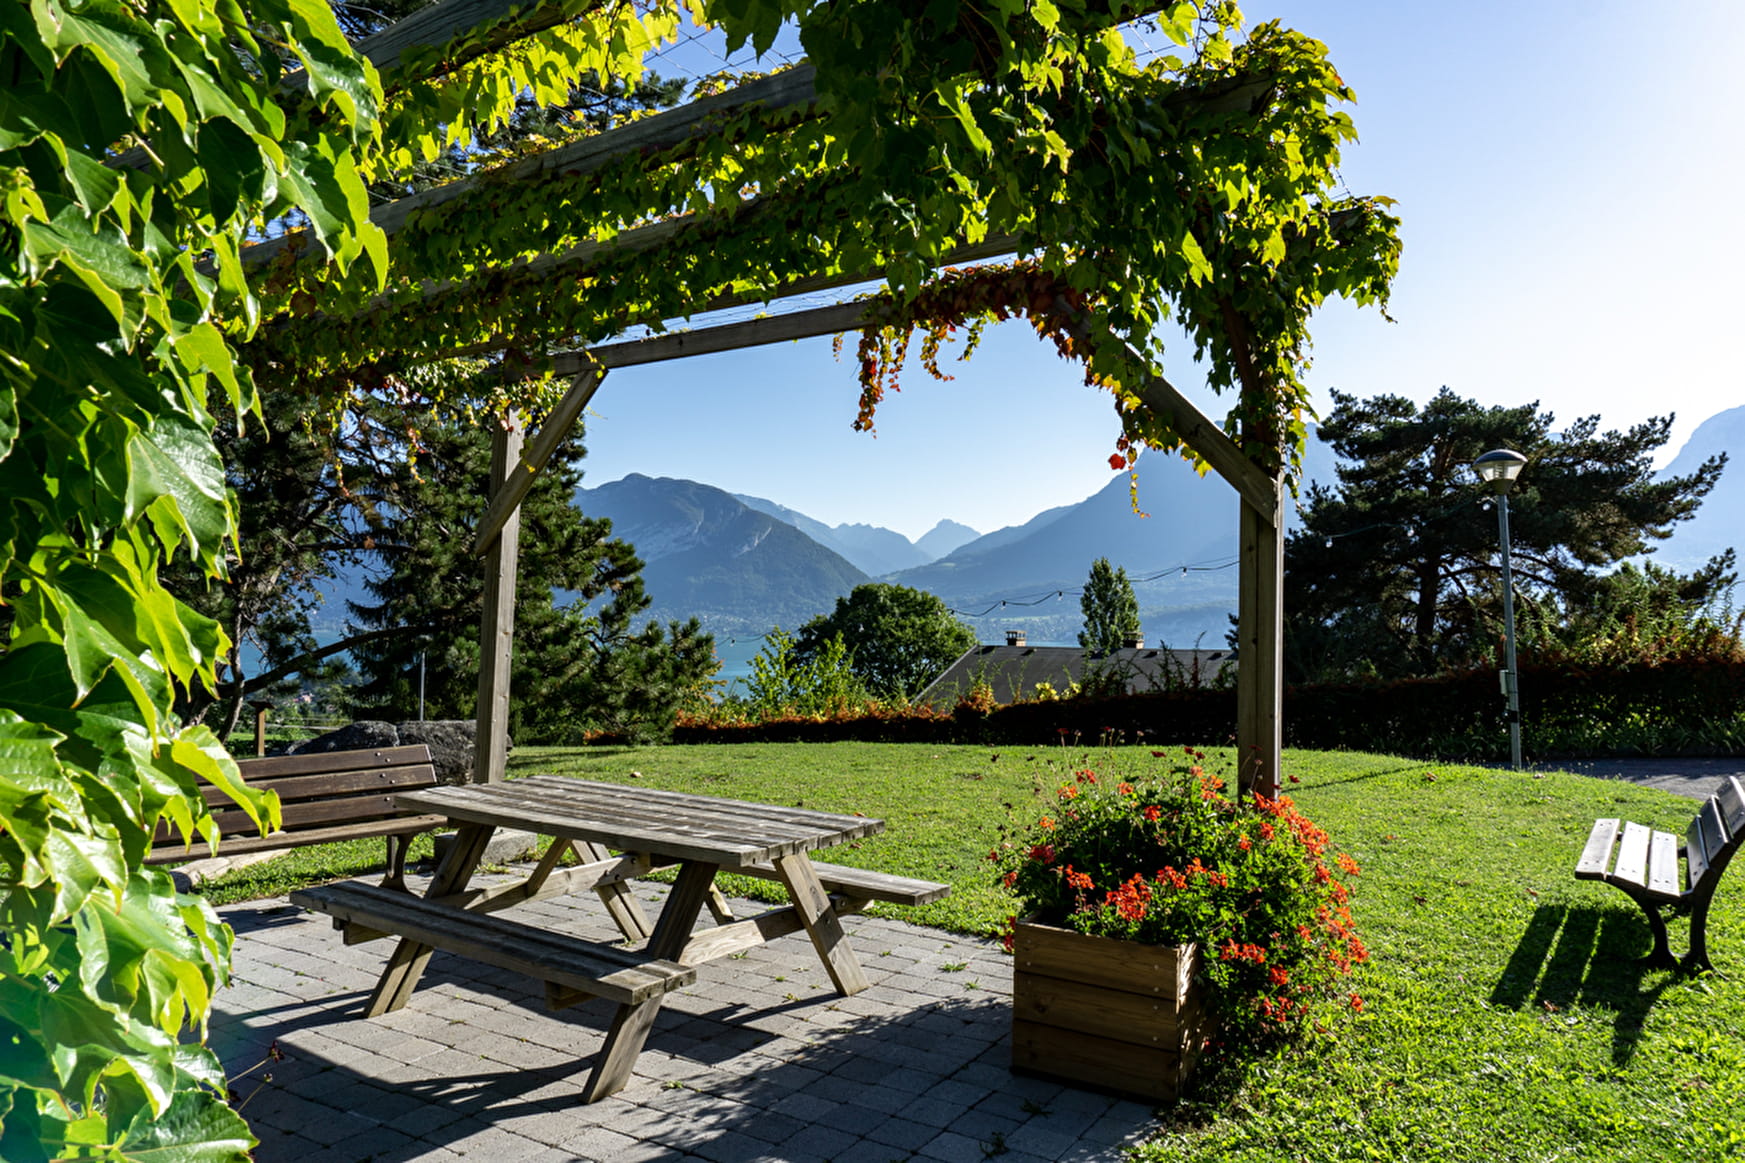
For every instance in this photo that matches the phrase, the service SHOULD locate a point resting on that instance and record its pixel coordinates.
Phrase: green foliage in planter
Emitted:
(1162, 856)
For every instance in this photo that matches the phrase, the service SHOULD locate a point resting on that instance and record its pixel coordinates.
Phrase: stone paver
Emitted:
(476, 1069)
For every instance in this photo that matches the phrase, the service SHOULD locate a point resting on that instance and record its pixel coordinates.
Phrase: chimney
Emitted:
(1014, 638)
(1133, 642)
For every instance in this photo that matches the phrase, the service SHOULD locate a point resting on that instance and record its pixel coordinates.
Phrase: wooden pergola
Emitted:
(781, 100)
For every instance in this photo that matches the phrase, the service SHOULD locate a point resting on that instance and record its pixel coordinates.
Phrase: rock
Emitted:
(364, 735)
(451, 744)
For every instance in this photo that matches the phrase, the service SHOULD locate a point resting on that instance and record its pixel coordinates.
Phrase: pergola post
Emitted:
(497, 626)
(1260, 646)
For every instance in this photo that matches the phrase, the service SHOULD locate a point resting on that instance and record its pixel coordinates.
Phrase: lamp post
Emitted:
(1499, 468)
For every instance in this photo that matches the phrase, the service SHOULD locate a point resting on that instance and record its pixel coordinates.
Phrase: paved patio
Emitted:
(760, 1060)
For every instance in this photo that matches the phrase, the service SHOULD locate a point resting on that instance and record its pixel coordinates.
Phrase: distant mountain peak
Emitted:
(945, 537)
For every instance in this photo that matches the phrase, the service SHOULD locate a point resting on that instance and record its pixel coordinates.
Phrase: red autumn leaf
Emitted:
(1117, 461)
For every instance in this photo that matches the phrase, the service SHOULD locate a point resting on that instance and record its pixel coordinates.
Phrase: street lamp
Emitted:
(1498, 469)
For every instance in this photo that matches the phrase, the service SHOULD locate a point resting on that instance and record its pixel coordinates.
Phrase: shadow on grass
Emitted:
(1367, 775)
(1585, 956)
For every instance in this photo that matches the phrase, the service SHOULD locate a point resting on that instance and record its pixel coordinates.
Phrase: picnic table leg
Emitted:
(822, 923)
(619, 900)
(407, 963)
(631, 1024)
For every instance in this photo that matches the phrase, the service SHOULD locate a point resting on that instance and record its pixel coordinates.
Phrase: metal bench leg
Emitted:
(1698, 957)
(1662, 957)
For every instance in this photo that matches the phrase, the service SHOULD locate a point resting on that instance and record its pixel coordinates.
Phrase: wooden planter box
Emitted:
(1110, 1014)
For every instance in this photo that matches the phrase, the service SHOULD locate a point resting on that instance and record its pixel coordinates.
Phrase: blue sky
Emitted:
(1565, 174)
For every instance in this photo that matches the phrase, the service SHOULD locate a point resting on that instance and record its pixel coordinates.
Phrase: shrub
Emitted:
(1166, 858)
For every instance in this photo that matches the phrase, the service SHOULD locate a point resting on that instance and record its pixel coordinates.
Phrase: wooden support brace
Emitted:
(561, 882)
(821, 922)
(620, 902)
(718, 906)
(727, 939)
(507, 496)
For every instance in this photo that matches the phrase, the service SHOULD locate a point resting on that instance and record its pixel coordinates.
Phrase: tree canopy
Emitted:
(1397, 567)
(1110, 607)
(898, 639)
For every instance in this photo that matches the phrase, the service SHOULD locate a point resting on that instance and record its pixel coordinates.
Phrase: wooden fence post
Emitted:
(1260, 649)
(497, 626)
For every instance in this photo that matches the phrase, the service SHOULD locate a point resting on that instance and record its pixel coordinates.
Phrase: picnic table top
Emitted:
(731, 833)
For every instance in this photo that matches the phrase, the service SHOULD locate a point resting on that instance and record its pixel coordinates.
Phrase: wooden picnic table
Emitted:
(616, 832)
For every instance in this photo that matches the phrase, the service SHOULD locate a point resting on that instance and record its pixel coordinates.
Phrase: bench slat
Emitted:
(1632, 863)
(171, 851)
(276, 766)
(1698, 845)
(858, 882)
(331, 785)
(1596, 855)
(615, 974)
(1732, 800)
(1663, 865)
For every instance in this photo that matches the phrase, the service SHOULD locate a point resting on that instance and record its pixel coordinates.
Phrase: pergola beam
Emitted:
(790, 89)
(575, 263)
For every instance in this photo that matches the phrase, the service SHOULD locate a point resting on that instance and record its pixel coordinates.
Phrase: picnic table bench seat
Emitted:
(861, 885)
(1644, 864)
(578, 967)
(323, 798)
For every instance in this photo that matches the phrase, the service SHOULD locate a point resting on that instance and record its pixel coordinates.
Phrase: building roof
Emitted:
(1014, 671)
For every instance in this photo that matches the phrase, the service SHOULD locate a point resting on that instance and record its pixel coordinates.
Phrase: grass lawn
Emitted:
(1502, 1020)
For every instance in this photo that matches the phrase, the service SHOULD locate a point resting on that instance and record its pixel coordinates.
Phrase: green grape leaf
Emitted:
(177, 480)
(197, 1128)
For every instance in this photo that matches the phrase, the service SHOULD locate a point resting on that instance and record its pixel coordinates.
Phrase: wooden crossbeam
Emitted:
(792, 89)
(436, 24)
(574, 263)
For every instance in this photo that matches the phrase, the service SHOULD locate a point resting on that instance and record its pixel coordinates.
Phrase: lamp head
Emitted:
(1498, 468)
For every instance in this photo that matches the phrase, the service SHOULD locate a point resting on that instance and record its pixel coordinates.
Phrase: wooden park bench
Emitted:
(1643, 863)
(337, 795)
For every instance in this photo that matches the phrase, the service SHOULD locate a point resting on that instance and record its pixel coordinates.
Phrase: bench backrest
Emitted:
(1716, 832)
(320, 791)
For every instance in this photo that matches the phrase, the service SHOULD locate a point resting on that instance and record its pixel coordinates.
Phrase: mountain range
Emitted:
(733, 560)
(743, 563)
(723, 557)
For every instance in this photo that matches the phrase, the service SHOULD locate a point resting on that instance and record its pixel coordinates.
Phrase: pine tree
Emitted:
(1111, 609)
(577, 668)
(1396, 570)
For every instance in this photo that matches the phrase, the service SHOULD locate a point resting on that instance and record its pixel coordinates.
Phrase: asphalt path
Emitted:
(1698, 777)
